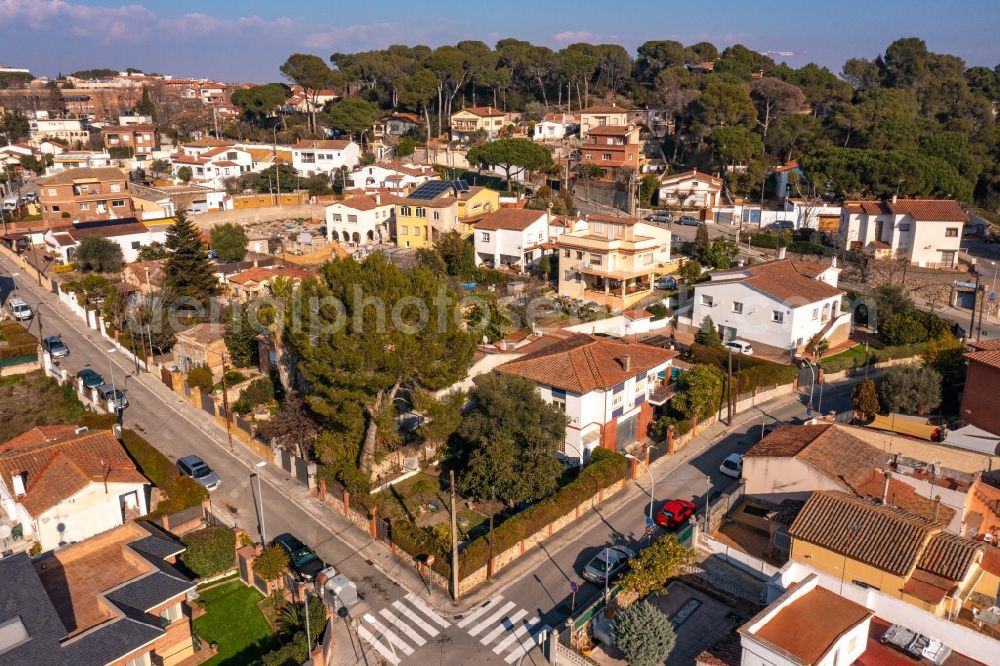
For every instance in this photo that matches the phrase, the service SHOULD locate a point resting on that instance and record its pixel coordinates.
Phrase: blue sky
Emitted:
(248, 39)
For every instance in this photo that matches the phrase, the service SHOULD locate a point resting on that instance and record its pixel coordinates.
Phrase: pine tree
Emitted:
(188, 271)
(701, 239)
(708, 335)
(643, 634)
(145, 105)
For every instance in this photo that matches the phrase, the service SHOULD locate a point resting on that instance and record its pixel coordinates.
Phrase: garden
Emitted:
(235, 622)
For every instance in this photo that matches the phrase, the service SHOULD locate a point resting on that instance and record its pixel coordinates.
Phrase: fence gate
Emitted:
(167, 378)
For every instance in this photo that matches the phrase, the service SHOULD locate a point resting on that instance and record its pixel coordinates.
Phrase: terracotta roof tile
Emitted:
(510, 219)
(582, 363)
(949, 555)
(921, 210)
(726, 651)
(692, 175)
(258, 274)
(102, 174)
(887, 538)
(203, 333)
(990, 358)
(362, 202)
(484, 111)
(328, 144)
(610, 130)
(58, 463)
(928, 587)
(781, 280)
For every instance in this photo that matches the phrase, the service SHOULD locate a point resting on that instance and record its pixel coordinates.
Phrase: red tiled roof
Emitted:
(990, 358)
(692, 175)
(363, 202)
(484, 111)
(921, 210)
(782, 280)
(637, 314)
(328, 144)
(612, 218)
(59, 463)
(225, 163)
(602, 110)
(510, 219)
(610, 130)
(787, 167)
(582, 363)
(257, 274)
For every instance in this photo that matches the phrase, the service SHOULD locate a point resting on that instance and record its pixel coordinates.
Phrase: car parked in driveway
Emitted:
(55, 346)
(675, 513)
(732, 465)
(739, 346)
(666, 282)
(90, 378)
(199, 470)
(688, 221)
(611, 561)
(303, 561)
(659, 217)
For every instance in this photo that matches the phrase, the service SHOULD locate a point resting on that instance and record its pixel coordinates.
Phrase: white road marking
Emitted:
(519, 630)
(427, 610)
(375, 643)
(396, 623)
(474, 615)
(388, 635)
(524, 647)
(414, 618)
(507, 624)
(491, 620)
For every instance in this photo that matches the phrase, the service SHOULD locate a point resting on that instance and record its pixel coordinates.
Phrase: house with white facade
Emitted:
(212, 166)
(814, 213)
(63, 484)
(555, 126)
(923, 232)
(602, 384)
(311, 156)
(362, 219)
(77, 159)
(67, 130)
(513, 238)
(778, 305)
(399, 177)
(691, 189)
(129, 234)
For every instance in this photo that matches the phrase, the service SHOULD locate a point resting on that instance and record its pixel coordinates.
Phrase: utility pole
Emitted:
(729, 386)
(493, 509)
(454, 539)
(982, 306)
(975, 297)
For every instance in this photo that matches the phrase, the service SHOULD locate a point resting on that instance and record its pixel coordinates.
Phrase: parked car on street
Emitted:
(659, 217)
(90, 378)
(303, 561)
(20, 310)
(732, 465)
(740, 346)
(55, 346)
(688, 221)
(115, 397)
(607, 564)
(675, 513)
(199, 470)
(781, 225)
(666, 282)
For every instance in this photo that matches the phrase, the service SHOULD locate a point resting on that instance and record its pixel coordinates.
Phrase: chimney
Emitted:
(893, 198)
(781, 253)
(627, 363)
(833, 261)
(18, 483)
(937, 508)
(378, 198)
(885, 486)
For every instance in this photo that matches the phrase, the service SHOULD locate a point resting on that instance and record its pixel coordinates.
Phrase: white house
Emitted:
(691, 189)
(212, 166)
(128, 233)
(63, 484)
(555, 126)
(602, 384)
(396, 176)
(68, 130)
(808, 624)
(924, 232)
(778, 305)
(360, 219)
(813, 214)
(513, 237)
(310, 157)
(75, 159)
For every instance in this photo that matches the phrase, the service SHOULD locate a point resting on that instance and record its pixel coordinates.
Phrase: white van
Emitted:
(10, 203)
(19, 309)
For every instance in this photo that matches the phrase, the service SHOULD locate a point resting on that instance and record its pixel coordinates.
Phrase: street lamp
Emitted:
(652, 483)
(17, 291)
(111, 373)
(812, 385)
(260, 500)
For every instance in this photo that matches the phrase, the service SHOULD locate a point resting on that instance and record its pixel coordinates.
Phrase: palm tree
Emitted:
(818, 346)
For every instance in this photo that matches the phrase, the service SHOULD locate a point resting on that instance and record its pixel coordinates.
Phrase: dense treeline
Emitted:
(909, 121)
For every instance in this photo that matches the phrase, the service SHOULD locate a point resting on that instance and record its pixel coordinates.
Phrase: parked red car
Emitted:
(675, 513)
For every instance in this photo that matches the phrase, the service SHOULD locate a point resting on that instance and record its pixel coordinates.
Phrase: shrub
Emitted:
(803, 247)
(270, 564)
(660, 426)
(643, 634)
(210, 551)
(259, 392)
(182, 492)
(294, 652)
(420, 542)
(19, 342)
(241, 406)
(64, 268)
(659, 310)
(201, 377)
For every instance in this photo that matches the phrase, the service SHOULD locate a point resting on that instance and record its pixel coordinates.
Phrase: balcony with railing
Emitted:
(603, 271)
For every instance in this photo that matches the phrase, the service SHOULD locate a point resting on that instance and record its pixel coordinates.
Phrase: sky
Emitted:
(247, 40)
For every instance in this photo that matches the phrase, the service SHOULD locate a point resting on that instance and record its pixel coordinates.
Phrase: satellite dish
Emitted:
(5, 531)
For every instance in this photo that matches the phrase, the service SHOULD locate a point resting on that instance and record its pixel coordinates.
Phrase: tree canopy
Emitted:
(644, 634)
(98, 254)
(187, 271)
(229, 241)
(514, 156)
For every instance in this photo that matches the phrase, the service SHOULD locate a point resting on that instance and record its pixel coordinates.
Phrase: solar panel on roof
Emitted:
(461, 185)
(430, 189)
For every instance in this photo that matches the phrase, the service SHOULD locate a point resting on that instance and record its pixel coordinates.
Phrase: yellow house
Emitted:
(437, 207)
(875, 545)
(475, 118)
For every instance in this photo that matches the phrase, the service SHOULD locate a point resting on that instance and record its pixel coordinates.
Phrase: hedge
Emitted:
(600, 474)
(210, 551)
(418, 541)
(182, 491)
(19, 342)
(849, 362)
(64, 268)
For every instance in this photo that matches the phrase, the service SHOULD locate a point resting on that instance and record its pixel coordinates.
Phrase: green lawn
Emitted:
(234, 621)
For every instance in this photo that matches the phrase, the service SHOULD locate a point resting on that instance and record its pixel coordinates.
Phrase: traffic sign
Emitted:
(649, 522)
(809, 412)
(573, 586)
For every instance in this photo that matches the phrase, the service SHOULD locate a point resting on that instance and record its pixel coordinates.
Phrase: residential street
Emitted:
(399, 619)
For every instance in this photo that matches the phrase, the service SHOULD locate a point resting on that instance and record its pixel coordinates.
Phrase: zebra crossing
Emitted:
(397, 631)
(503, 618)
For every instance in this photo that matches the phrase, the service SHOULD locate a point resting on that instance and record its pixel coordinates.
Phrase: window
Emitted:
(616, 400)
(421, 212)
(136, 245)
(904, 227)
(116, 187)
(336, 217)
(403, 231)
(707, 301)
(485, 237)
(647, 259)
(560, 402)
(815, 314)
(596, 259)
(172, 614)
(566, 253)
(437, 215)
(606, 157)
(117, 203)
(85, 206)
(353, 219)
(55, 209)
(951, 232)
(404, 210)
(579, 255)
(52, 192)
(141, 660)
(777, 316)
(737, 307)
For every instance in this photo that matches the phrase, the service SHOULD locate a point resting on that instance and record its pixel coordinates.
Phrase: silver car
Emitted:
(199, 470)
(607, 564)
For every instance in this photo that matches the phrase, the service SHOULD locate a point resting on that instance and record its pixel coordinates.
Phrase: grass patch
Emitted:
(31, 400)
(234, 622)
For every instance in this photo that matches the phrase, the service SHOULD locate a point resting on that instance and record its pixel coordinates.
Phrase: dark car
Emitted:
(115, 397)
(55, 346)
(688, 221)
(199, 470)
(607, 564)
(90, 378)
(781, 225)
(301, 558)
(675, 513)
(659, 217)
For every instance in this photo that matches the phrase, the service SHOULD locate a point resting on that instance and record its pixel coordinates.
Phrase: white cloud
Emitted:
(571, 36)
(367, 36)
